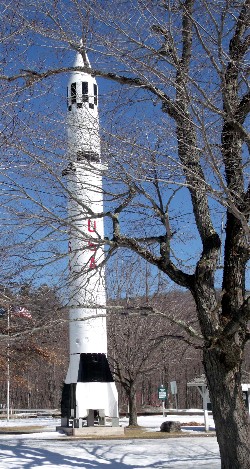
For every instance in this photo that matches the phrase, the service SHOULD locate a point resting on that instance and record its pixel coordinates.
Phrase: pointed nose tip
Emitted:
(81, 59)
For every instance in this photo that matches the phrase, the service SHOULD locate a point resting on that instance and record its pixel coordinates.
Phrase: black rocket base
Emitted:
(93, 396)
(86, 404)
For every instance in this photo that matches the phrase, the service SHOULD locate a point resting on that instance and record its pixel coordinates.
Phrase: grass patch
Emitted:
(130, 432)
(22, 429)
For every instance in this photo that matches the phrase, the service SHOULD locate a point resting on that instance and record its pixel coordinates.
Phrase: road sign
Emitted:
(173, 387)
(162, 393)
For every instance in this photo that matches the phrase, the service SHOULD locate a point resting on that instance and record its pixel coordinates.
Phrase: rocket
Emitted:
(89, 388)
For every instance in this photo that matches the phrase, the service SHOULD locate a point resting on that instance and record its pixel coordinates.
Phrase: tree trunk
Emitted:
(132, 407)
(229, 412)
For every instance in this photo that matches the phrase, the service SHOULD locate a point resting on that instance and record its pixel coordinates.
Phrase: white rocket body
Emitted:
(89, 384)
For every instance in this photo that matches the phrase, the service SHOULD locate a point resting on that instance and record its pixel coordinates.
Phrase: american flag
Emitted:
(3, 311)
(21, 312)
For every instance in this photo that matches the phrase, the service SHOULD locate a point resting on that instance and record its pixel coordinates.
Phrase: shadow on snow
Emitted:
(69, 454)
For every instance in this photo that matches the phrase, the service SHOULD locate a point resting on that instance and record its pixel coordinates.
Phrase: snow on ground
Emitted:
(150, 422)
(153, 423)
(50, 450)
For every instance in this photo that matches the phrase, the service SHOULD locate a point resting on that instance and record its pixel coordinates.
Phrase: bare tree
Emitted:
(133, 353)
(142, 347)
(177, 148)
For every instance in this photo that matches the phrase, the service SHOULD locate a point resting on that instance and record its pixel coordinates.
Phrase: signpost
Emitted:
(162, 395)
(201, 384)
(8, 367)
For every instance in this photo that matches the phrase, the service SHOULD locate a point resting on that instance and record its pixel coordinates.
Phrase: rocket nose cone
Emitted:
(81, 59)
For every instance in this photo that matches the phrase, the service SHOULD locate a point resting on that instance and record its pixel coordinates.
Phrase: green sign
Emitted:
(162, 393)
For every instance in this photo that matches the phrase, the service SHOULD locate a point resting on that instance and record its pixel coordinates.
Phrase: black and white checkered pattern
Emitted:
(79, 94)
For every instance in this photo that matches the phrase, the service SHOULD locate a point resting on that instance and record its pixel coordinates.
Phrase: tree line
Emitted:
(143, 352)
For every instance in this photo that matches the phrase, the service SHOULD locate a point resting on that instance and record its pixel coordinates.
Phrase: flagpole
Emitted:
(8, 367)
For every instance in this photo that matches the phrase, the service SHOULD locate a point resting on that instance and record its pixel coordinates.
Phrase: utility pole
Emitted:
(8, 365)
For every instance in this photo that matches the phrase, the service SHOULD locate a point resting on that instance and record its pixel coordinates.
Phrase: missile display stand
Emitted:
(89, 396)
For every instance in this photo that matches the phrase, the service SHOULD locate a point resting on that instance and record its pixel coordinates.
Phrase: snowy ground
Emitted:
(50, 450)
